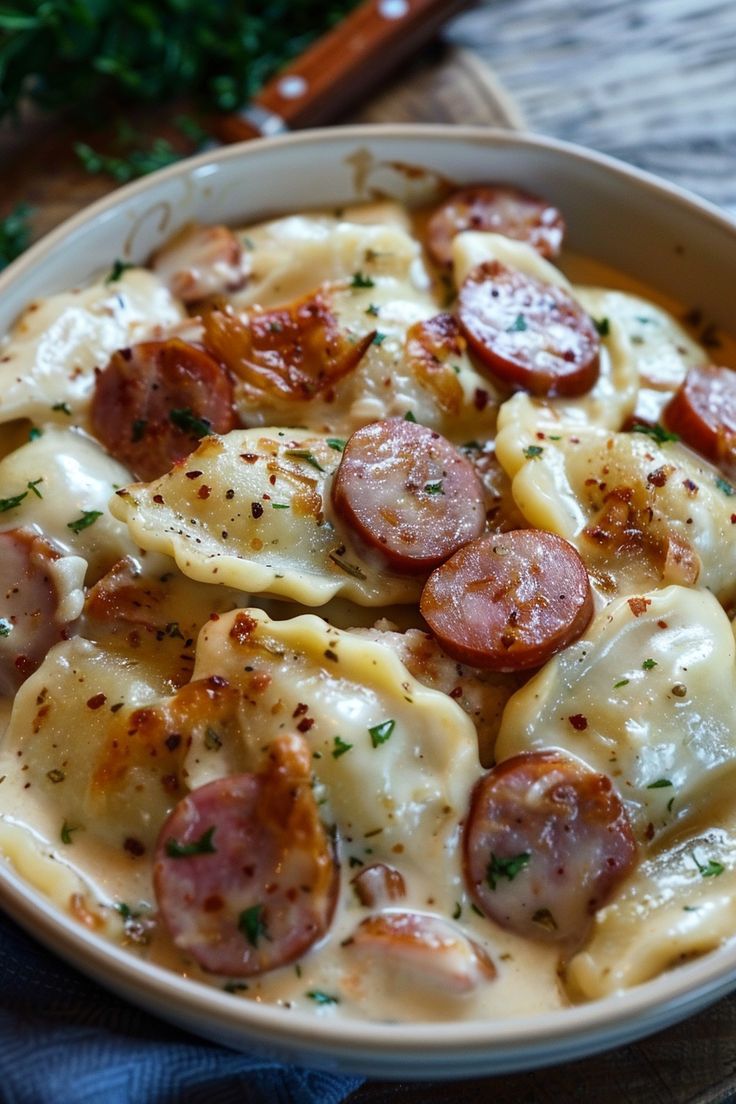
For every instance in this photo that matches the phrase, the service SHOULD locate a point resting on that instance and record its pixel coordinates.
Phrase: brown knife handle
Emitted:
(340, 67)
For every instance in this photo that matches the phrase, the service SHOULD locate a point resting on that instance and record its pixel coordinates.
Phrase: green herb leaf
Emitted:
(202, 846)
(15, 230)
(359, 280)
(117, 270)
(603, 327)
(66, 832)
(545, 919)
(372, 309)
(188, 421)
(434, 488)
(518, 325)
(725, 486)
(12, 502)
(350, 569)
(660, 784)
(6, 627)
(621, 682)
(306, 455)
(648, 664)
(409, 416)
(280, 506)
(378, 338)
(33, 486)
(322, 998)
(34, 433)
(506, 868)
(380, 733)
(252, 924)
(656, 432)
(63, 407)
(336, 443)
(89, 517)
(340, 747)
(711, 869)
(533, 452)
(457, 911)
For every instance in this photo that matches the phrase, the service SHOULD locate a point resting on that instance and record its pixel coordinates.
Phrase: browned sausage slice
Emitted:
(408, 493)
(528, 334)
(432, 950)
(154, 401)
(500, 209)
(545, 844)
(509, 601)
(29, 606)
(703, 413)
(245, 876)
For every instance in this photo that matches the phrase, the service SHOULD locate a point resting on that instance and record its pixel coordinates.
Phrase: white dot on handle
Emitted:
(393, 9)
(291, 88)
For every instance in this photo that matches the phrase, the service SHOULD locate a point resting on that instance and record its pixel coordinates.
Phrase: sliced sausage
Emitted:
(509, 601)
(546, 842)
(201, 261)
(703, 413)
(408, 493)
(432, 950)
(30, 617)
(500, 209)
(245, 875)
(154, 401)
(431, 346)
(378, 885)
(528, 334)
(294, 352)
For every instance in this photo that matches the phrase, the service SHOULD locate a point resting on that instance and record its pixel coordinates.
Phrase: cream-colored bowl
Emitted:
(616, 215)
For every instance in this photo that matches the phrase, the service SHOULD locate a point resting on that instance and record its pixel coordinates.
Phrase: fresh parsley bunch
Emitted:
(86, 54)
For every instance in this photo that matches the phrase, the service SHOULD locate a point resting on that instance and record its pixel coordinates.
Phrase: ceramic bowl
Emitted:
(617, 215)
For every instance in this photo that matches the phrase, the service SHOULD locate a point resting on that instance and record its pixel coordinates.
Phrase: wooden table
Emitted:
(654, 82)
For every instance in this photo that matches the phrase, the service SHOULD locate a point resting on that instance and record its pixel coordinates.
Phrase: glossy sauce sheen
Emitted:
(273, 804)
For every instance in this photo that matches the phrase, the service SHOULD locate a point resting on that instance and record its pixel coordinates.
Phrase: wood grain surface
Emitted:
(654, 82)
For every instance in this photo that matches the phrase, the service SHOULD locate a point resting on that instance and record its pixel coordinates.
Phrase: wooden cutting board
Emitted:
(693, 1063)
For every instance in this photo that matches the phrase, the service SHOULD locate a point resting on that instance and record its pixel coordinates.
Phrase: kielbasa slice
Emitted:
(429, 948)
(500, 209)
(201, 261)
(703, 412)
(530, 335)
(545, 844)
(509, 601)
(244, 874)
(155, 401)
(30, 621)
(408, 493)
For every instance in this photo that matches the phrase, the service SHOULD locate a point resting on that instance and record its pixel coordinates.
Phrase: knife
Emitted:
(339, 68)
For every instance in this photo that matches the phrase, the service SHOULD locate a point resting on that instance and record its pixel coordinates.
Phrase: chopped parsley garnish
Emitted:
(355, 861)
(55, 775)
(33, 486)
(670, 803)
(372, 309)
(506, 868)
(5, 627)
(648, 664)
(518, 325)
(252, 924)
(457, 911)
(360, 280)
(63, 407)
(711, 869)
(138, 429)
(409, 416)
(660, 784)
(533, 452)
(34, 433)
(340, 747)
(117, 270)
(322, 998)
(656, 432)
(280, 506)
(15, 232)
(89, 517)
(380, 733)
(66, 831)
(379, 338)
(348, 568)
(235, 986)
(306, 455)
(12, 502)
(603, 327)
(212, 739)
(202, 846)
(434, 488)
(336, 443)
(621, 682)
(725, 486)
(186, 420)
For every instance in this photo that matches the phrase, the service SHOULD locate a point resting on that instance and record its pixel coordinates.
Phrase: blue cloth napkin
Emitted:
(64, 1040)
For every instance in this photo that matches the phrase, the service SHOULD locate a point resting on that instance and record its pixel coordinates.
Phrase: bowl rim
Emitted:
(579, 1029)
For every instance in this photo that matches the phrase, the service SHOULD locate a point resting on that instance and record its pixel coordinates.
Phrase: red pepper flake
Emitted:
(159, 499)
(658, 477)
(638, 606)
(214, 617)
(134, 847)
(480, 399)
(305, 724)
(456, 692)
(733, 519)
(172, 742)
(649, 834)
(229, 494)
(193, 474)
(578, 721)
(217, 682)
(662, 624)
(96, 701)
(300, 710)
(256, 509)
(242, 627)
(690, 486)
(204, 491)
